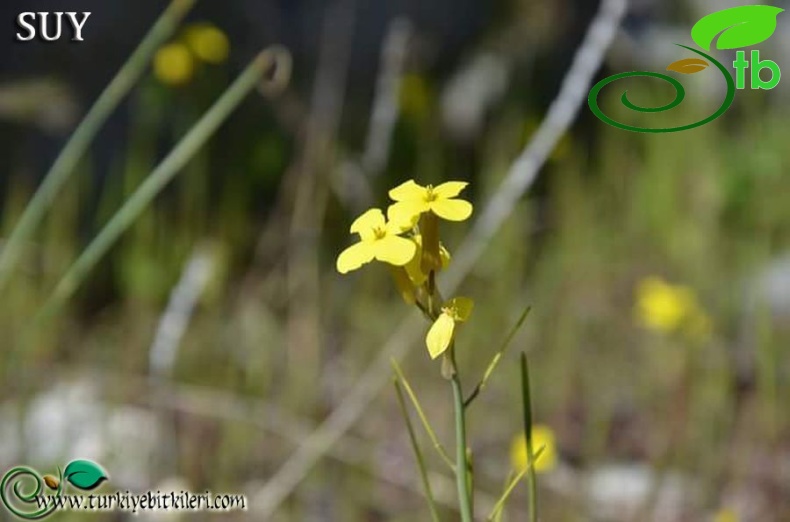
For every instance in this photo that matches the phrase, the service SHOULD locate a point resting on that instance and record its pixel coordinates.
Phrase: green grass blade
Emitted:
(497, 357)
(417, 453)
(421, 414)
(496, 512)
(162, 175)
(532, 476)
(86, 131)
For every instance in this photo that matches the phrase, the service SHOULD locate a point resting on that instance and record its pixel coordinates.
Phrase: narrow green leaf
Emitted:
(526, 398)
(500, 503)
(426, 484)
(160, 177)
(497, 356)
(76, 146)
(531, 456)
(421, 414)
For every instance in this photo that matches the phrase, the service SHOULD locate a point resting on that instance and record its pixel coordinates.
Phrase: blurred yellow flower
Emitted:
(668, 308)
(173, 65)
(413, 199)
(379, 239)
(726, 515)
(440, 335)
(542, 437)
(207, 42)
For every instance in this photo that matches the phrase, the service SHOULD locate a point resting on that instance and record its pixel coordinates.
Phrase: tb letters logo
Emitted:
(735, 28)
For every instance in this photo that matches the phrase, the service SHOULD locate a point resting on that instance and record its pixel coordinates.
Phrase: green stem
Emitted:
(161, 176)
(417, 453)
(532, 479)
(86, 131)
(461, 467)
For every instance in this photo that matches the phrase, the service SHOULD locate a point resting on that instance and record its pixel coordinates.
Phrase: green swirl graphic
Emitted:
(17, 476)
(680, 94)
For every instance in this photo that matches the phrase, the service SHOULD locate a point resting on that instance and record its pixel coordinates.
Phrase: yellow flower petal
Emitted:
(407, 191)
(449, 189)
(451, 209)
(408, 210)
(399, 222)
(440, 335)
(365, 224)
(461, 308)
(355, 256)
(394, 250)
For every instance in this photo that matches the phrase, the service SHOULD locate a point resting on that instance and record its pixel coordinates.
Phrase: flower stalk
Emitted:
(461, 465)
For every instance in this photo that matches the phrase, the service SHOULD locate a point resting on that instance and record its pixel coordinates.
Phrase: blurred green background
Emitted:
(217, 335)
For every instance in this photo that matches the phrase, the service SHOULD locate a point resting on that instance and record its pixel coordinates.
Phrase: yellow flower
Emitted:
(664, 307)
(207, 42)
(413, 268)
(726, 515)
(542, 437)
(379, 239)
(440, 335)
(413, 199)
(173, 65)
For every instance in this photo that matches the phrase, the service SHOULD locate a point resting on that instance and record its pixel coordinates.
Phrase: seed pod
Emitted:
(431, 258)
(51, 482)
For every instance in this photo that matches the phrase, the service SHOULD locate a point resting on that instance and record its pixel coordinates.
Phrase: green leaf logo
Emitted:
(739, 27)
(84, 474)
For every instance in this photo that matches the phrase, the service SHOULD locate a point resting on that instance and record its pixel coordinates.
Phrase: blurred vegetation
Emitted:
(698, 215)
